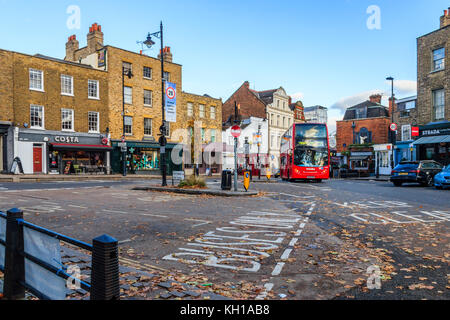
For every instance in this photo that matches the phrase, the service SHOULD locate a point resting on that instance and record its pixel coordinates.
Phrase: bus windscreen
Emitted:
(311, 146)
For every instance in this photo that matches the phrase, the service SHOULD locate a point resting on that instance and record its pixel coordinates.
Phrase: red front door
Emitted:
(37, 159)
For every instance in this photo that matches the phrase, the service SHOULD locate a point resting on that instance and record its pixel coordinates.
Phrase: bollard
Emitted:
(105, 269)
(14, 260)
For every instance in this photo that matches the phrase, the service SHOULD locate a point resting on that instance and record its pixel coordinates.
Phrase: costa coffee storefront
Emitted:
(54, 152)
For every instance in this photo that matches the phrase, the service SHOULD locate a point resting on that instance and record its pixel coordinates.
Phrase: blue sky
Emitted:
(321, 51)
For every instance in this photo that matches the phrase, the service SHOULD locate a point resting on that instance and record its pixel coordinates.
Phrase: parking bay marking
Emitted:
(436, 216)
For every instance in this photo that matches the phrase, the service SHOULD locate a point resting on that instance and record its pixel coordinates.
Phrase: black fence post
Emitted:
(14, 260)
(105, 269)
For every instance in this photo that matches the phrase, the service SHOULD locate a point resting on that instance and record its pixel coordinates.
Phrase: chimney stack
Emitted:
(167, 54)
(95, 38)
(445, 19)
(72, 45)
(375, 98)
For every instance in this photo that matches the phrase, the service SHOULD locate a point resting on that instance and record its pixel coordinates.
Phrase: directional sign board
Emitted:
(236, 131)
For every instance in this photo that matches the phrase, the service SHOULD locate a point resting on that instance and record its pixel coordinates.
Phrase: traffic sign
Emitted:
(393, 127)
(170, 92)
(236, 131)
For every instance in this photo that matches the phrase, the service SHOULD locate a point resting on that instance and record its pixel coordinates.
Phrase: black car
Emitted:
(422, 172)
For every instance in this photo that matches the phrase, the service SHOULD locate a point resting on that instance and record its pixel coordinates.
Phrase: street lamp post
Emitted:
(259, 149)
(162, 140)
(392, 134)
(236, 121)
(129, 74)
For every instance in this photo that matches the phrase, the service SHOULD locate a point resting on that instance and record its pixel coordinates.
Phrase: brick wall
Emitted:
(207, 122)
(137, 110)
(378, 126)
(51, 99)
(250, 104)
(428, 80)
(6, 83)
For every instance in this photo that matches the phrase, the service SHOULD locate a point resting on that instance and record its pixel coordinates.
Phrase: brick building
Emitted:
(405, 116)
(273, 105)
(143, 100)
(433, 99)
(203, 118)
(6, 111)
(298, 109)
(58, 114)
(365, 127)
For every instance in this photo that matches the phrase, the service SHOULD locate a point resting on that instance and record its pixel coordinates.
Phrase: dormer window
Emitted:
(361, 113)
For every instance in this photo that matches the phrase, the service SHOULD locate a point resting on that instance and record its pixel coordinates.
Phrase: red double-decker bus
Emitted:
(305, 153)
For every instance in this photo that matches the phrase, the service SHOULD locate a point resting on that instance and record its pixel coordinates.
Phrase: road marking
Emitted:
(267, 288)
(114, 211)
(152, 215)
(203, 222)
(293, 242)
(125, 241)
(74, 206)
(278, 269)
(286, 254)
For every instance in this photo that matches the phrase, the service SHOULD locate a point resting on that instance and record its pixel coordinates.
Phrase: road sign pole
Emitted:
(235, 164)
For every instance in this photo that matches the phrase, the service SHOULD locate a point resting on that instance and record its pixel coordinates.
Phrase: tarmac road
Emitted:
(295, 241)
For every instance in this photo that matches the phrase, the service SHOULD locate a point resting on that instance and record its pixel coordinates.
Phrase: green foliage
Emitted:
(193, 182)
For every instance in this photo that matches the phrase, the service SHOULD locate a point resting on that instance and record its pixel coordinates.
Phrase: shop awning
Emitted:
(81, 147)
(432, 140)
(359, 158)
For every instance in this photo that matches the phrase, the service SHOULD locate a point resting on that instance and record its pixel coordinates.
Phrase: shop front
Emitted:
(434, 142)
(405, 151)
(54, 152)
(362, 162)
(383, 154)
(143, 158)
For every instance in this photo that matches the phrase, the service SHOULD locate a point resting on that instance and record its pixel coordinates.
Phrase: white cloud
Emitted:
(403, 87)
(297, 96)
(350, 101)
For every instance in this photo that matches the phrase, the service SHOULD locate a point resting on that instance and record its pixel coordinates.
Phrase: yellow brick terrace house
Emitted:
(59, 118)
(142, 97)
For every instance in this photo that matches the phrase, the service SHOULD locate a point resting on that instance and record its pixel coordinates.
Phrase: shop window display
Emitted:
(143, 159)
(76, 162)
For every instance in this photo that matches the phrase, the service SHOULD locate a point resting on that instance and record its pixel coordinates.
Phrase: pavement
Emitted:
(340, 239)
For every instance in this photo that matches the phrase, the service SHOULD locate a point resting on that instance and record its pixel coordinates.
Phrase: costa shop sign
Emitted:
(66, 139)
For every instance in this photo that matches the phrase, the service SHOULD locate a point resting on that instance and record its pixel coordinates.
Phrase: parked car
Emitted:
(422, 172)
(442, 179)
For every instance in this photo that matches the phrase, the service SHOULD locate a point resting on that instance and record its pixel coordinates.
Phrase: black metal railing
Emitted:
(104, 263)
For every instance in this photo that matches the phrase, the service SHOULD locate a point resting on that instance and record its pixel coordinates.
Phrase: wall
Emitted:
(251, 105)
(428, 80)
(51, 98)
(6, 86)
(137, 110)
(344, 132)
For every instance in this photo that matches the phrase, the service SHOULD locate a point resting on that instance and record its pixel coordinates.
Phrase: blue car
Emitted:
(442, 179)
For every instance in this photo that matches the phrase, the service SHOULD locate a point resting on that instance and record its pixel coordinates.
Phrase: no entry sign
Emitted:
(393, 127)
(236, 131)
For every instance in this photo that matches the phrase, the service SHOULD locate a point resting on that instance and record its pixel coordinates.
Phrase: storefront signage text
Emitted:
(67, 139)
